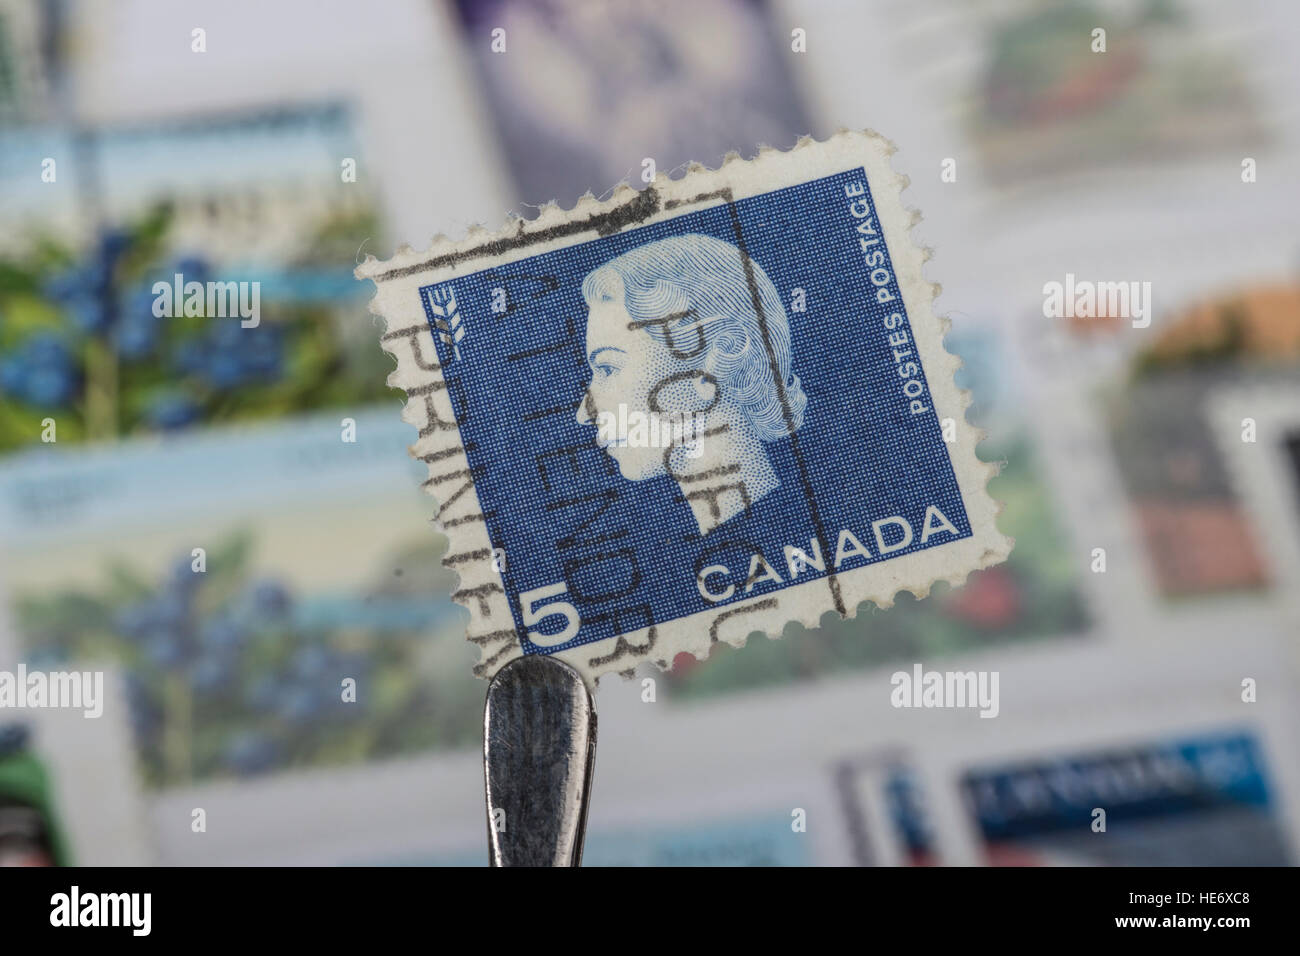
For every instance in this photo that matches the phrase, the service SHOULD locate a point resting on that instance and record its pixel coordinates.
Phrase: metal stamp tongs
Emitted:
(539, 748)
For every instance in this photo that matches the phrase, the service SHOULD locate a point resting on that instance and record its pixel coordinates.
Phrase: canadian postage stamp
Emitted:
(691, 413)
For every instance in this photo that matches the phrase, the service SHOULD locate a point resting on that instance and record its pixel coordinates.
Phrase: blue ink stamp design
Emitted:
(690, 413)
(444, 320)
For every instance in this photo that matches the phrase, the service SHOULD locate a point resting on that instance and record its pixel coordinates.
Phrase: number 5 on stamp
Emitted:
(532, 611)
(691, 413)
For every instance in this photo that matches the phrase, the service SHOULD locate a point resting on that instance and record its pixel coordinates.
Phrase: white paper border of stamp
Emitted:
(408, 338)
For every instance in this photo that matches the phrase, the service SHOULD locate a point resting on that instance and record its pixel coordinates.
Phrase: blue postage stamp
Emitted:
(689, 413)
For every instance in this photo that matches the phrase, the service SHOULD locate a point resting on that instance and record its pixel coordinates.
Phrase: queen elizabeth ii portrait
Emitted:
(690, 328)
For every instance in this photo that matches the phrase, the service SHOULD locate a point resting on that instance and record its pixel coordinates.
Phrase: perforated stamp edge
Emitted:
(408, 338)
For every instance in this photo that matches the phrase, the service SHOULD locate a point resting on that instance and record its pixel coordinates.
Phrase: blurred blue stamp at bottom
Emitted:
(690, 413)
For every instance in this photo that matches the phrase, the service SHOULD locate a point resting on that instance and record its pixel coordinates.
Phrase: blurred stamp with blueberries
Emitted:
(688, 414)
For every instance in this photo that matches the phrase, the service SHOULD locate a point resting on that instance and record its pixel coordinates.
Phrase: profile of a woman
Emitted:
(673, 330)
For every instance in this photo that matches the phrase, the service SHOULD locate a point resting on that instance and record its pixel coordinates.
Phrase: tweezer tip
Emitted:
(539, 745)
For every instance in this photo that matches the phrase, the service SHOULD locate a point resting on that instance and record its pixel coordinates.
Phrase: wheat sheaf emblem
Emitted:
(446, 318)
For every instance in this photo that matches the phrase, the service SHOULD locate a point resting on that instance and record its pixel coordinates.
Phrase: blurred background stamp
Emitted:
(691, 413)
(1255, 424)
